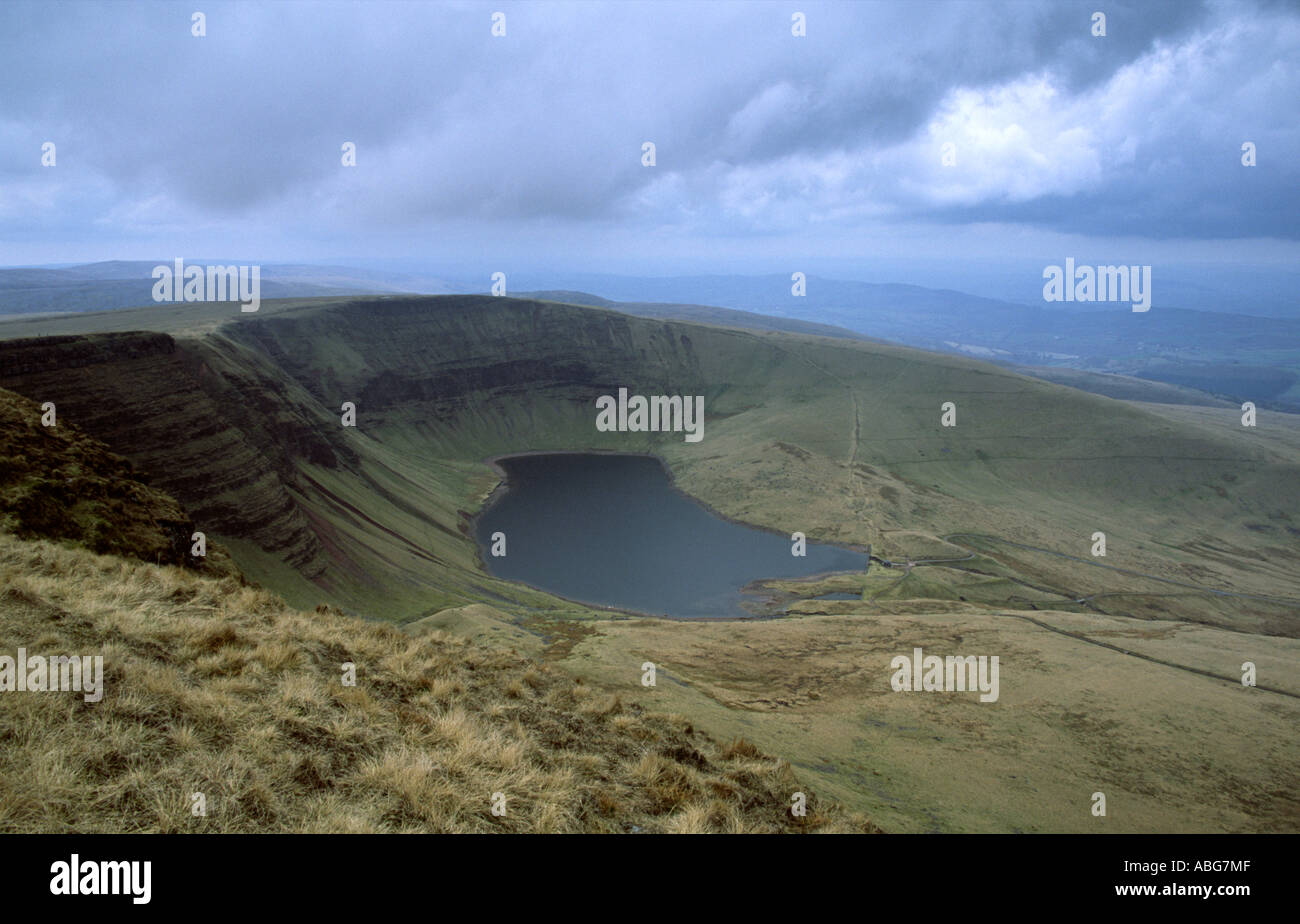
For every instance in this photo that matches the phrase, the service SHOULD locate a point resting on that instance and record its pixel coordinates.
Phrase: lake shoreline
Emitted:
(752, 592)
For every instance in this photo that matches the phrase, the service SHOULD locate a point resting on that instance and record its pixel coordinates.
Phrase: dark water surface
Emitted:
(610, 530)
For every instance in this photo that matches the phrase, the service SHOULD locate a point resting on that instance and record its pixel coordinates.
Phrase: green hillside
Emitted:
(841, 440)
(987, 526)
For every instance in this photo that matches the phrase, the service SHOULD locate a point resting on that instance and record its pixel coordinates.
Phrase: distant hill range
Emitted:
(129, 283)
(1232, 355)
(1161, 378)
(1204, 356)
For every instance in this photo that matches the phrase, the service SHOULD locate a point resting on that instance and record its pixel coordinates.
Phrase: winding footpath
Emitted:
(1078, 636)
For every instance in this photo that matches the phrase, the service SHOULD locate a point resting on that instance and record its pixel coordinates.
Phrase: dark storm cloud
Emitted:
(757, 132)
(886, 68)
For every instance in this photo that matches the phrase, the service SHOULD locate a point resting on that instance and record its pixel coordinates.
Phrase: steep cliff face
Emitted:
(241, 419)
(157, 403)
(58, 483)
(386, 354)
(243, 424)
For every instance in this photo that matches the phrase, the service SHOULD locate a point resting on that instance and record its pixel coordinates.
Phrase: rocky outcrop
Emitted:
(58, 483)
(149, 398)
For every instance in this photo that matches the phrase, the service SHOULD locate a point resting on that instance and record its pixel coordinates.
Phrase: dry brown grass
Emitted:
(219, 688)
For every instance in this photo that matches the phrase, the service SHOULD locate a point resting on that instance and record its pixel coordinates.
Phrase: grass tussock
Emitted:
(219, 688)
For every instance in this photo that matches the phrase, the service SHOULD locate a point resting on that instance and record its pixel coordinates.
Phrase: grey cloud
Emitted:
(157, 128)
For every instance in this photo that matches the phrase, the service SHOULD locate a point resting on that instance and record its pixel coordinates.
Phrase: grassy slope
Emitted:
(1017, 445)
(221, 689)
(1174, 751)
(217, 687)
(842, 441)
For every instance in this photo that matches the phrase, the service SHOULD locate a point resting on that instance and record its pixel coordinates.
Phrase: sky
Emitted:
(823, 151)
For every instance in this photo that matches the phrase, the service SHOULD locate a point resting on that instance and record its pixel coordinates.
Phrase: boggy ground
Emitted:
(1173, 747)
